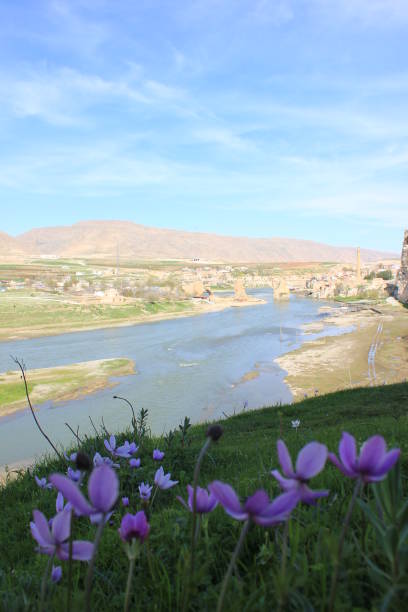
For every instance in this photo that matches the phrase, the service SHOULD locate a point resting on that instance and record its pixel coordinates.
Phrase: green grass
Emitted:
(243, 457)
(55, 315)
(12, 392)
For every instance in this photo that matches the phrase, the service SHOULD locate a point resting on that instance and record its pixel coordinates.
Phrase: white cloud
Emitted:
(366, 12)
(224, 137)
(63, 95)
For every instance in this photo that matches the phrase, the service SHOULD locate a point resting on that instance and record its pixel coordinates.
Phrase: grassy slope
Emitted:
(244, 456)
(24, 316)
(59, 383)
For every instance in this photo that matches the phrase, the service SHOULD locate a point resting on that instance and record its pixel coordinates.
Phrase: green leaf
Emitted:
(371, 517)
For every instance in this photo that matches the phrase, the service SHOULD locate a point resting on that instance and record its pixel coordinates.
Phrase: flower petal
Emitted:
(61, 526)
(227, 497)
(81, 551)
(348, 452)
(284, 458)
(59, 504)
(346, 471)
(278, 510)
(42, 527)
(390, 460)
(372, 454)
(71, 493)
(311, 460)
(257, 502)
(287, 484)
(103, 488)
(307, 496)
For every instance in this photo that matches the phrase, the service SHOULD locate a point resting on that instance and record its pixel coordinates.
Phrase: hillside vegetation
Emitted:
(243, 457)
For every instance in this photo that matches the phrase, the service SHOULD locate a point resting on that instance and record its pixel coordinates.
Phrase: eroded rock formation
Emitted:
(239, 291)
(280, 289)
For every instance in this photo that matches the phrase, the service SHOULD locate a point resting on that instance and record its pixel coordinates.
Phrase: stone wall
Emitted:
(402, 279)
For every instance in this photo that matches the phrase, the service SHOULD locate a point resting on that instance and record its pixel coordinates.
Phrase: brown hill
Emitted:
(103, 238)
(9, 246)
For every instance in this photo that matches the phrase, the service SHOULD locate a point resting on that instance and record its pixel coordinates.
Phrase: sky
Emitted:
(239, 117)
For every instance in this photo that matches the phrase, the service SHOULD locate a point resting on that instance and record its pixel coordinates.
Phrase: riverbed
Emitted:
(201, 367)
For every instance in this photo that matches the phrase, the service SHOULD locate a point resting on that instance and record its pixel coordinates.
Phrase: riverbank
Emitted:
(373, 352)
(27, 317)
(60, 383)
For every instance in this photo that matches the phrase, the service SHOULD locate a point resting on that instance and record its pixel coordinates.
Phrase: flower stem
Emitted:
(129, 584)
(69, 593)
(88, 582)
(44, 582)
(194, 522)
(231, 565)
(149, 560)
(335, 578)
(195, 484)
(154, 496)
(282, 597)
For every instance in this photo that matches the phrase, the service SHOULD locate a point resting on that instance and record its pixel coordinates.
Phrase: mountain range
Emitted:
(106, 239)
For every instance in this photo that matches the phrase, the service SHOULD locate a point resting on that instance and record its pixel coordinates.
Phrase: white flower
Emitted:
(296, 423)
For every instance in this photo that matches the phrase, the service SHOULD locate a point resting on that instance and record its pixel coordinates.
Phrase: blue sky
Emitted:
(241, 117)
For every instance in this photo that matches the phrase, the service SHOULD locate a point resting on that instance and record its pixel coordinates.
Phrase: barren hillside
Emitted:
(104, 238)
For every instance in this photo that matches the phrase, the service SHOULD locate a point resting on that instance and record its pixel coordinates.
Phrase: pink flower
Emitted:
(257, 508)
(158, 454)
(103, 489)
(54, 541)
(309, 463)
(163, 481)
(134, 526)
(205, 502)
(372, 465)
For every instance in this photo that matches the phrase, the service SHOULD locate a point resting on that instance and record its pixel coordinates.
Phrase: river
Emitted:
(185, 367)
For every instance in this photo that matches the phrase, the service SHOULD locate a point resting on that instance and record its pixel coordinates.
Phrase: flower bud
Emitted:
(82, 461)
(214, 432)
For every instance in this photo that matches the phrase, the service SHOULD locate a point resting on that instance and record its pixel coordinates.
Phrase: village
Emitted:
(117, 283)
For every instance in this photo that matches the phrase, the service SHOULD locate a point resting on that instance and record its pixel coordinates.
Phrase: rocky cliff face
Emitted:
(402, 280)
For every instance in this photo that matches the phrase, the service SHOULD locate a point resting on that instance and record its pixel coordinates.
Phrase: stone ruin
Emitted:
(240, 294)
(195, 289)
(402, 278)
(280, 289)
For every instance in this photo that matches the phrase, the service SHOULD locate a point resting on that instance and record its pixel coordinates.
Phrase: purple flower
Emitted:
(145, 491)
(53, 542)
(372, 465)
(42, 483)
(127, 450)
(309, 463)
(72, 457)
(158, 454)
(134, 526)
(74, 475)
(56, 573)
(134, 463)
(163, 481)
(99, 460)
(205, 502)
(257, 508)
(59, 503)
(125, 501)
(103, 489)
(110, 445)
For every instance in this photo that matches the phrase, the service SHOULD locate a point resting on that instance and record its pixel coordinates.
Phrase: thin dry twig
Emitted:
(21, 366)
(80, 442)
